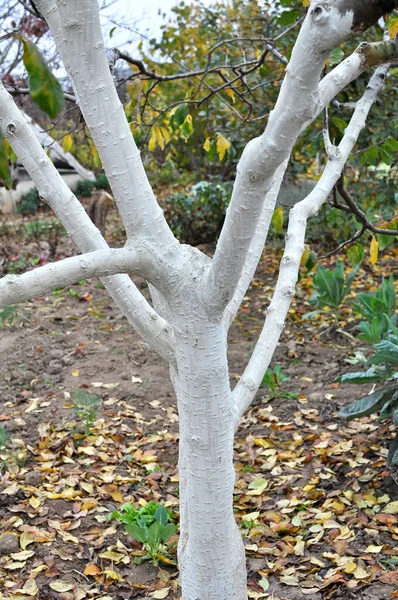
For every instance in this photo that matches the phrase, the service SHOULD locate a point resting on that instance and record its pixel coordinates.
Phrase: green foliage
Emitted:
(5, 174)
(45, 89)
(7, 316)
(384, 368)
(86, 187)
(29, 203)
(101, 182)
(4, 437)
(331, 287)
(86, 406)
(151, 525)
(273, 380)
(379, 310)
(197, 217)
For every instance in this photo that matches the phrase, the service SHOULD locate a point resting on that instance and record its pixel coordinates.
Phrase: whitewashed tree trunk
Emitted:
(195, 298)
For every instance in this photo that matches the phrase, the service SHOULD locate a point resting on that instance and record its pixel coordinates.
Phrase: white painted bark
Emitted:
(250, 382)
(154, 330)
(195, 297)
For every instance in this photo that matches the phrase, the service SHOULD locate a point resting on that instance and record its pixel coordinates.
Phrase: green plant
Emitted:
(29, 203)
(102, 183)
(331, 287)
(151, 525)
(378, 310)
(4, 437)
(7, 316)
(197, 217)
(273, 380)
(85, 187)
(85, 405)
(383, 368)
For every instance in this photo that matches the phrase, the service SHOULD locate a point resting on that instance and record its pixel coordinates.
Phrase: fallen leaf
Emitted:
(159, 594)
(61, 586)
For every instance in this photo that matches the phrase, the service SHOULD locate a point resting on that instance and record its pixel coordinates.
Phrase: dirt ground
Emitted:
(324, 525)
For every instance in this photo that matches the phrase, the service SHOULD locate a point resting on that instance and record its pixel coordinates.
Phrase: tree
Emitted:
(194, 297)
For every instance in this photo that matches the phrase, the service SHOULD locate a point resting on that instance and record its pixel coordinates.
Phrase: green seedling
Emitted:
(85, 405)
(273, 380)
(7, 316)
(152, 526)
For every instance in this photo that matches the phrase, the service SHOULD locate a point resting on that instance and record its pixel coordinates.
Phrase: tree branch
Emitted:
(85, 60)
(248, 385)
(43, 280)
(52, 188)
(298, 104)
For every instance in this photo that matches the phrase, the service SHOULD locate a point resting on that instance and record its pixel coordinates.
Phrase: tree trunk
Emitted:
(211, 552)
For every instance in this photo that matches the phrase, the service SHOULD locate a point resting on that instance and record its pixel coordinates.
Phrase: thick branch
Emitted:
(43, 280)
(298, 104)
(85, 60)
(52, 188)
(247, 387)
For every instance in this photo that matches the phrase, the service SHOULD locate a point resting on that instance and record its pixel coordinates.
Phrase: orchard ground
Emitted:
(317, 507)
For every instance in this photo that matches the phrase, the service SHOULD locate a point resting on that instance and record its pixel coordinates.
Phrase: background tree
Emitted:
(195, 297)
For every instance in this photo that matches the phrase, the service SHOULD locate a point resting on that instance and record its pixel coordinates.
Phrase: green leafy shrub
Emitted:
(102, 183)
(151, 525)
(331, 287)
(86, 406)
(273, 380)
(383, 368)
(197, 217)
(85, 187)
(29, 203)
(378, 310)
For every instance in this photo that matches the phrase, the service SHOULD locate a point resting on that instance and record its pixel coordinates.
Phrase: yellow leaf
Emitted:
(26, 539)
(374, 549)
(207, 144)
(222, 145)
(92, 570)
(152, 140)
(305, 2)
(34, 406)
(61, 586)
(299, 548)
(34, 502)
(230, 94)
(87, 487)
(97, 160)
(29, 588)
(13, 566)
(68, 143)
(391, 508)
(160, 594)
(112, 575)
(374, 250)
(393, 27)
(114, 556)
(159, 137)
(22, 555)
(277, 219)
(75, 373)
